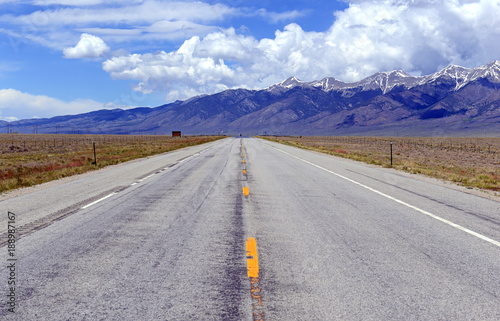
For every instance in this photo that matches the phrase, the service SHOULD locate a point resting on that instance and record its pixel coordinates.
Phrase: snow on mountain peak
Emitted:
(387, 81)
(463, 76)
(492, 71)
(286, 84)
(326, 84)
(290, 82)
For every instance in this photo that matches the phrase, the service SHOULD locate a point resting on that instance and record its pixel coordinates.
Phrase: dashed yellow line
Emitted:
(252, 259)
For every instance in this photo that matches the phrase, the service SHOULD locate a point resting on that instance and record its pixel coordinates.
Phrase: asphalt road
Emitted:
(167, 238)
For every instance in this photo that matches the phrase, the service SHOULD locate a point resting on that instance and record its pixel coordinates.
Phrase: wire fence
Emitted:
(18, 143)
(486, 145)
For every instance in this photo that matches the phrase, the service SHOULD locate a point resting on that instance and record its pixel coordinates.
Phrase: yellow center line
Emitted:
(253, 275)
(252, 259)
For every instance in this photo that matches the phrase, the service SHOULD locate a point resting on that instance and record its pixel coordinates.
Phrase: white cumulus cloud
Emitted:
(89, 46)
(26, 106)
(419, 37)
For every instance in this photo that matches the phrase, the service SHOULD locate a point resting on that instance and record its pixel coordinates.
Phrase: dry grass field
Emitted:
(27, 160)
(471, 162)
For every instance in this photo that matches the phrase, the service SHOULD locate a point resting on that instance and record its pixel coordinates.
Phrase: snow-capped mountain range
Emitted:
(455, 101)
(387, 81)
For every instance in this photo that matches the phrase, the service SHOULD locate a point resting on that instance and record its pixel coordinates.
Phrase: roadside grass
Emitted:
(28, 160)
(470, 162)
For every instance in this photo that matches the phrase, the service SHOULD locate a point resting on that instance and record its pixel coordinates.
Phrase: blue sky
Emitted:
(62, 57)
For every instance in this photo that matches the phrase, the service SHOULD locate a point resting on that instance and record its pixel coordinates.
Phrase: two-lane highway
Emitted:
(253, 230)
(333, 245)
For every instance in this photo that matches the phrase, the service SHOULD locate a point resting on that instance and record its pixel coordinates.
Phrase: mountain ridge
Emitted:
(453, 101)
(387, 80)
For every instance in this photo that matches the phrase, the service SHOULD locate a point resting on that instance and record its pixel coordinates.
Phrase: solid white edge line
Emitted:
(145, 178)
(101, 199)
(105, 197)
(482, 237)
